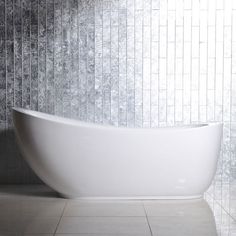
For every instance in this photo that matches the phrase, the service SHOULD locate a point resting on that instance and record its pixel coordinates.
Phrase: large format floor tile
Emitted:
(38, 211)
(104, 225)
(190, 208)
(104, 208)
(98, 234)
(27, 225)
(39, 208)
(182, 226)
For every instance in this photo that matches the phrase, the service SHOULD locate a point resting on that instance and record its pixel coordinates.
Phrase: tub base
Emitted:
(134, 198)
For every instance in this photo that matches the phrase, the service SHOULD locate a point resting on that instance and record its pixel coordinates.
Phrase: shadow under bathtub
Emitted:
(15, 174)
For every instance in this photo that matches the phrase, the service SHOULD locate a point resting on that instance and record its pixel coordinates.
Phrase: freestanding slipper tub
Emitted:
(84, 160)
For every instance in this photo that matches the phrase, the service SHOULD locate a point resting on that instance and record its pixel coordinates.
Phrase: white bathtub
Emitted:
(80, 159)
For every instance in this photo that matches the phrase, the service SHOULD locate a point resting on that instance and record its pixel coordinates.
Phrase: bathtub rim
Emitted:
(79, 123)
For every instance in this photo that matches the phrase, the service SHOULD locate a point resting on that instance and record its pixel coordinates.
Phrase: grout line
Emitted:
(37, 104)
(147, 218)
(219, 204)
(87, 57)
(70, 58)
(5, 46)
(22, 57)
(60, 217)
(166, 62)
(150, 72)
(54, 90)
(223, 70)
(46, 57)
(102, 73)
(135, 125)
(110, 58)
(182, 60)
(228, 213)
(14, 74)
(30, 62)
(191, 63)
(207, 64)
(78, 61)
(174, 114)
(158, 82)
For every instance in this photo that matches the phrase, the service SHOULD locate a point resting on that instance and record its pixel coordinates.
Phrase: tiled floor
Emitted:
(37, 210)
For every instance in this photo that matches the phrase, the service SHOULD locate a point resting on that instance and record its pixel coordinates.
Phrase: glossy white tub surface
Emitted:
(84, 160)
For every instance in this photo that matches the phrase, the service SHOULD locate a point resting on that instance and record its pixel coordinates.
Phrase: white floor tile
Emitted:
(29, 211)
(27, 225)
(104, 208)
(35, 208)
(104, 225)
(38, 235)
(197, 208)
(182, 226)
(98, 234)
(43, 225)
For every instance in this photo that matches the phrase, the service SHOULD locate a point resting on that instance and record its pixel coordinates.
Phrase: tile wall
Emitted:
(135, 63)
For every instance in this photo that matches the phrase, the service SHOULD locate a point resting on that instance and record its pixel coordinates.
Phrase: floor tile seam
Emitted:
(217, 202)
(60, 218)
(111, 216)
(147, 218)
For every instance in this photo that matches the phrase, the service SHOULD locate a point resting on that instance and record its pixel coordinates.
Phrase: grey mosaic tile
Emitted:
(2, 12)
(3, 105)
(2, 73)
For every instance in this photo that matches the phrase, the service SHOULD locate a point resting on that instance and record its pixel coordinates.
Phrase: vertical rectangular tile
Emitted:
(106, 67)
(3, 89)
(26, 17)
(42, 56)
(122, 67)
(83, 46)
(91, 70)
(50, 96)
(135, 63)
(18, 53)
(83, 71)
(115, 61)
(66, 72)
(130, 93)
(98, 72)
(9, 44)
(74, 44)
(2, 64)
(58, 56)
(34, 55)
